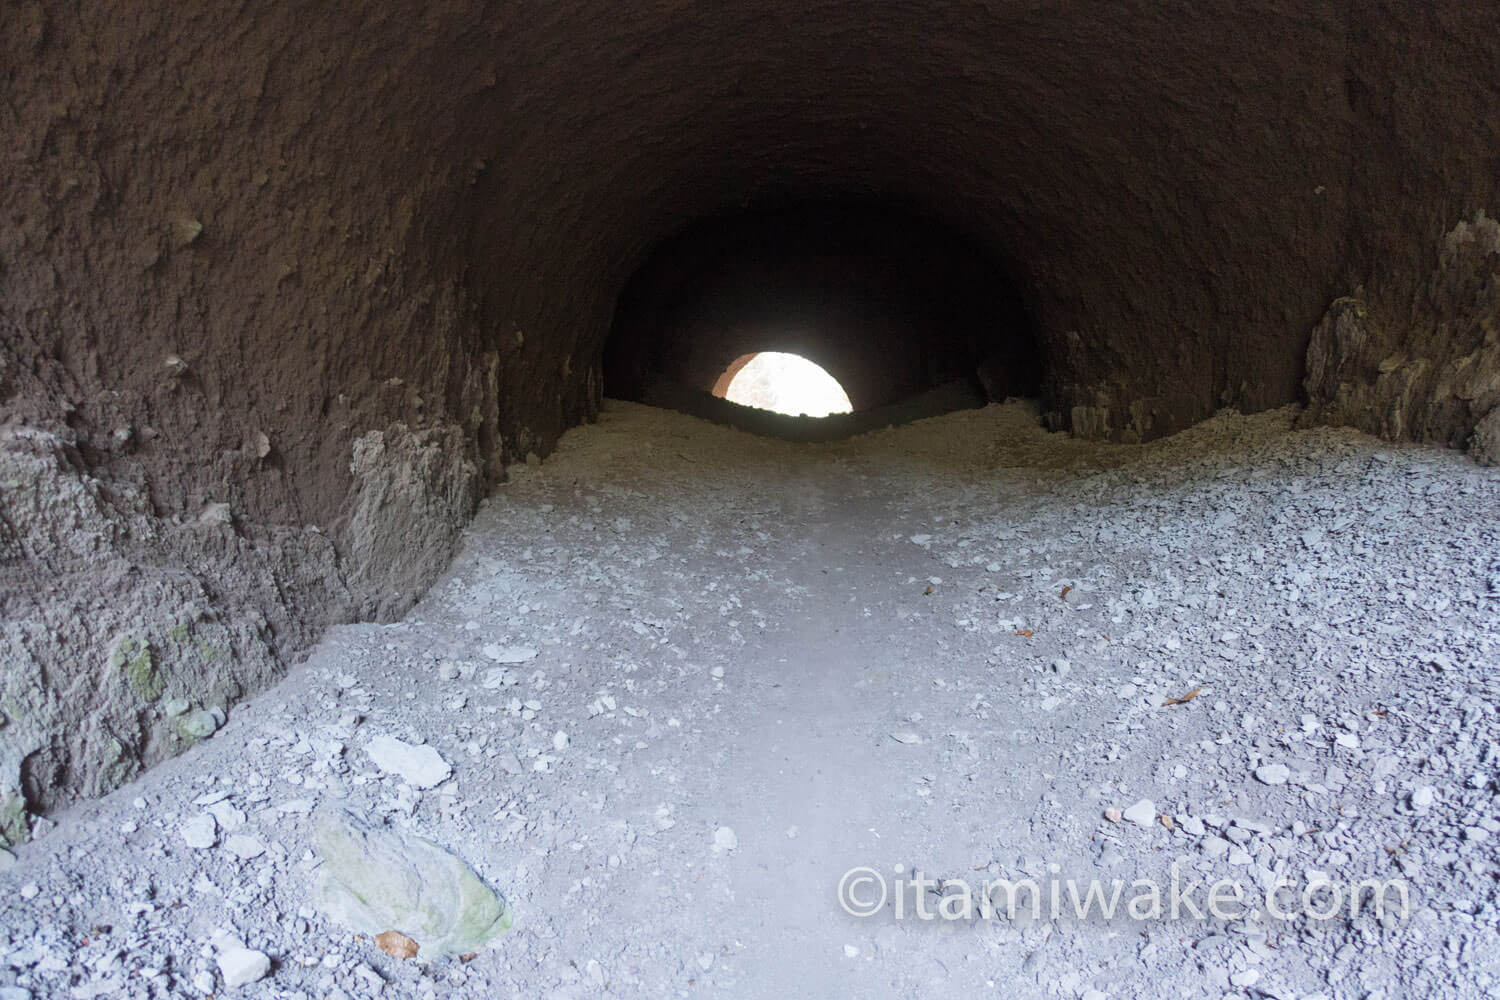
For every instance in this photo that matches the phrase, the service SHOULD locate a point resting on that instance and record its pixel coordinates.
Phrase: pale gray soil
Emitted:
(739, 633)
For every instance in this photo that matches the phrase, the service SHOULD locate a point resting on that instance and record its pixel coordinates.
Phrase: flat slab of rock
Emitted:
(1272, 774)
(418, 766)
(509, 654)
(239, 966)
(201, 832)
(1142, 814)
(243, 847)
(375, 879)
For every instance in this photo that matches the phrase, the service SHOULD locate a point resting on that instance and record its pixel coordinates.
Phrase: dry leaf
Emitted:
(1064, 595)
(468, 956)
(1195, 692)
(397, 944)
(1026, 632)
(1166, 821)
(1113, 815)
(928, 590)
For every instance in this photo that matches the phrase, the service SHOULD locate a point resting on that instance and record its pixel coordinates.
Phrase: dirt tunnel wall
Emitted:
(284, 287)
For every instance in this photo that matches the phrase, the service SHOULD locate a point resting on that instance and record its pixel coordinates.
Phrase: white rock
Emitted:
(199, 724)
(1215, 847)
(243, 847)
(1423, 797)
(229, 816)
(559, 740)
(419, 766)
(725, 839)
(497, 677)
(1142, 814)
(239, 966)
(1247, 978)
(200, 832)
(509, 654)
(1272, 774)
(851, 951)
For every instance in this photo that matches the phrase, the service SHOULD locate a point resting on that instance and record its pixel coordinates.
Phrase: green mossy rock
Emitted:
(375, 880)
(132, 655)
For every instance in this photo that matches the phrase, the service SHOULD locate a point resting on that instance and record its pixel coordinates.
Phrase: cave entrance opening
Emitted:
(782, 383)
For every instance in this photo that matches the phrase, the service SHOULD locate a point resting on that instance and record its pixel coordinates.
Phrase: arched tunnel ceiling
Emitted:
(1183, 188)
(284, 287)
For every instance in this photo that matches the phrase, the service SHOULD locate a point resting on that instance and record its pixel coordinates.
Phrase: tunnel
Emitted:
(288, 290)
(891, 305)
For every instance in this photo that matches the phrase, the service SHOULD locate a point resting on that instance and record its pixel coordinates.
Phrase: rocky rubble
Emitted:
(679, 681)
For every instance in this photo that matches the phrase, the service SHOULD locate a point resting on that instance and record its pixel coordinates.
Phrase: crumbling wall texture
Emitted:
(284, 286)
(1425, 366)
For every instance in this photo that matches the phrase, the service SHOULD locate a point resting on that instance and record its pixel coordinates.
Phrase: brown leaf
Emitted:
(468, 956)
(1195, 692)
(928, 590)
(1026, 632)
(1166, 821)
(1064, 595)
(397, 944)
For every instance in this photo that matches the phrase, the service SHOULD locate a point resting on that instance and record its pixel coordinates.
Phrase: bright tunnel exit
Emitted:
(782, 383)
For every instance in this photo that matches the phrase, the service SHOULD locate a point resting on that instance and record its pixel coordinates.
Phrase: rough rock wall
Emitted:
(243, 392)
(1407, 347)
(1428, 372)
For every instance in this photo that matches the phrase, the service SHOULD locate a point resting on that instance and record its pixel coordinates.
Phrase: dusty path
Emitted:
(945, 648)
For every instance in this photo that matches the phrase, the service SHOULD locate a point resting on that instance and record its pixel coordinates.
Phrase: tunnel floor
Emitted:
(944, 648)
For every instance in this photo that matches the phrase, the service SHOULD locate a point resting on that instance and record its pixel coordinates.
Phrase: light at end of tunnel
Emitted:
(786, 383)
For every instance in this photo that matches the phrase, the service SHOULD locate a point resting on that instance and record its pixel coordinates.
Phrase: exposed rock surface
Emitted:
(373, 881)
(413, 491)
(419, 766)
(1427, 368)
(125, 632)
(1486, 443)
(129, 636)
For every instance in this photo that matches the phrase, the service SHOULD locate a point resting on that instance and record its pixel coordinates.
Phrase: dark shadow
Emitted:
(958, 395)
(890, 302)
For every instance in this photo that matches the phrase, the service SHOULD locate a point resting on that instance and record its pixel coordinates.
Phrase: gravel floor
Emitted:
(681, 680)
